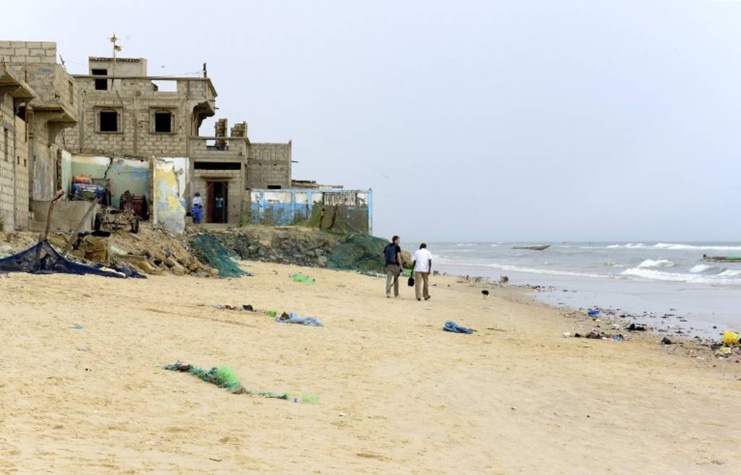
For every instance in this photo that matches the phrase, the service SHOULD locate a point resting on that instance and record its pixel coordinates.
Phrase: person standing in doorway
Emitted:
(219, 207)
(392, 254)
(196, 211)
(423, 266)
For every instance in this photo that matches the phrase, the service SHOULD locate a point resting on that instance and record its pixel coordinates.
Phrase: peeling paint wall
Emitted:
(170, 177)
(341, 210)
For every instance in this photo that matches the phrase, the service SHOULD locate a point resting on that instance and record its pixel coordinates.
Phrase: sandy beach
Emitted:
(83, 389)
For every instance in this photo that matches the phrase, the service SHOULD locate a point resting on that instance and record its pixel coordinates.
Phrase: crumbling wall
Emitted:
(136, 100)
(269, 165)
(169, 202)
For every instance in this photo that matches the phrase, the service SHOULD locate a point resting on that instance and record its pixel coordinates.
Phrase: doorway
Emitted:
(218, 202)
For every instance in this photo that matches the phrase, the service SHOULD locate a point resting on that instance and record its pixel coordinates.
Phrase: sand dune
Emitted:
(398, 395)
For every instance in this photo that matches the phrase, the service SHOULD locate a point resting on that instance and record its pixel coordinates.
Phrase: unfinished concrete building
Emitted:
(127, 115)
(37, 103)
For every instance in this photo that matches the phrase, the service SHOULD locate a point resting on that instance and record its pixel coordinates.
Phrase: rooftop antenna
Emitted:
(116, 48)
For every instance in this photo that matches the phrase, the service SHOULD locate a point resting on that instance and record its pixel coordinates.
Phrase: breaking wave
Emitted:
(700, 268)
(655, 264)
(690, 247)
(724, 278)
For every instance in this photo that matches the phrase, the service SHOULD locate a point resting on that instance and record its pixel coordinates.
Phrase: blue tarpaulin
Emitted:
(44, 259)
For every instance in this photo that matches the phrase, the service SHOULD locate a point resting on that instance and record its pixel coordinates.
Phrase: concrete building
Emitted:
(138, 137)
(37, 103)
(127, 114)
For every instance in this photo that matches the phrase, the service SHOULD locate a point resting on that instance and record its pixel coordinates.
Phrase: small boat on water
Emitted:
(539, 247)
(707, 258)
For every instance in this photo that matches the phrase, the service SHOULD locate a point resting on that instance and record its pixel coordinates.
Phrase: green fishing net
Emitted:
(216, 256)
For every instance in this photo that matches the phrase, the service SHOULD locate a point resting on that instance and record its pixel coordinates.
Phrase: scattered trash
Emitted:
(666, 341)
(222, 377)
(77, 327)
(451, 326)
(239, 308)
(272, 313)
(310, 399)
(593, 313)
(298, 319)
(567, 335)
(636, 327)
(730, 338)
(485, 293)
(303, 279)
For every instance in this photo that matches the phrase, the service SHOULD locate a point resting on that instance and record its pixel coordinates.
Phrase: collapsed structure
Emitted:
(134, 141)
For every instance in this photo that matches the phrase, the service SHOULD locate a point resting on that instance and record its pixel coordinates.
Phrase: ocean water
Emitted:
(641, 277)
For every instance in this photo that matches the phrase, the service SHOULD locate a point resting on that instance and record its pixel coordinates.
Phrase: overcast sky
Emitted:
(471, 120)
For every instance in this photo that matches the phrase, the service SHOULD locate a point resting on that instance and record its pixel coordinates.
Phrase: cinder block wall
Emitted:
(14, 199)
(136, 101)
(269, 164)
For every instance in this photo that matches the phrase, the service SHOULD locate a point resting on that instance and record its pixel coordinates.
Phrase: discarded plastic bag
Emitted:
(730, 338)
(302, 279)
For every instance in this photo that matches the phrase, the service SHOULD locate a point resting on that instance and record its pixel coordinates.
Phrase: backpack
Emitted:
(390, 254)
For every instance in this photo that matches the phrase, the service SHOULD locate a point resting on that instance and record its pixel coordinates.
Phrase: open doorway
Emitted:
(218, 202)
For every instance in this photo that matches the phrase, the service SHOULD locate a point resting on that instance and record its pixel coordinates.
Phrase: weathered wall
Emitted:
(169, 189)
(136, 100)
(124, 174)
(53, 108)
(269, 165)
(13, 169)
(339, 210)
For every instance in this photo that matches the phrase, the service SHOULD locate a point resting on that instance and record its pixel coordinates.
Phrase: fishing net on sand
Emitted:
(358, 252)
(222, 377)
(217, 256)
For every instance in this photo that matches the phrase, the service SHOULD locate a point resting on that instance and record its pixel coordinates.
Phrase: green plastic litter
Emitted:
(272, 313)
(77, 327)
(310, 399)
(303, 279)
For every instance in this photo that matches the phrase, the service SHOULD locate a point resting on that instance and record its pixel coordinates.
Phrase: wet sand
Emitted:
(397, 394)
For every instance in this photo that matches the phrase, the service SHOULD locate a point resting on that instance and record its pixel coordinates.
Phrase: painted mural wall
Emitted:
(339, 210)
(122, 174)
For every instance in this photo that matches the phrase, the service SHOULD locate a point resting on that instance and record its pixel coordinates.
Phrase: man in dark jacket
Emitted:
(392, 255)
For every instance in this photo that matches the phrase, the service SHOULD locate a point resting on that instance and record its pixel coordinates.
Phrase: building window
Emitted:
(5, 144)
(163, 122)
(100, 84)
(108, 121)
(274, 187)
(71, 93)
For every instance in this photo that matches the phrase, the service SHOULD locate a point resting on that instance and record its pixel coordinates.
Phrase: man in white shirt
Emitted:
(422, 265)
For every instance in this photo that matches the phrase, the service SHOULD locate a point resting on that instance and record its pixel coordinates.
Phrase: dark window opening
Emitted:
(217, 166)
(108, 121)
(21, 113)
(274, 187)
(163, 122)
(101, 84)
